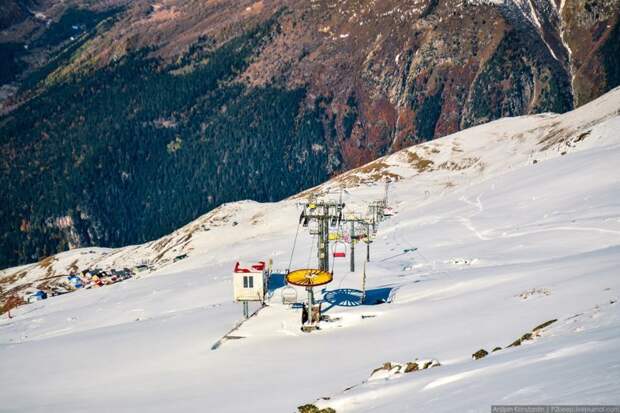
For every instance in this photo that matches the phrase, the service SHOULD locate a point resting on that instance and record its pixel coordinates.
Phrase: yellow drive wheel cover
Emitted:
(309, 277)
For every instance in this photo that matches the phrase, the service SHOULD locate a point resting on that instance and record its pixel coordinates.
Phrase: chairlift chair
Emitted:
(340, 250)
(335, 236)
(289, 295)
(303, 219)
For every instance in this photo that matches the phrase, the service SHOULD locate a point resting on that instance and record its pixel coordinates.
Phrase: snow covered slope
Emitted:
(516, 222)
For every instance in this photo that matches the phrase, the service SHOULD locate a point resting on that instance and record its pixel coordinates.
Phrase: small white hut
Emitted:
(249, 281)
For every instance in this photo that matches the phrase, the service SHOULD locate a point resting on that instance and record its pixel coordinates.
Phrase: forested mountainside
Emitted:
(123, 120)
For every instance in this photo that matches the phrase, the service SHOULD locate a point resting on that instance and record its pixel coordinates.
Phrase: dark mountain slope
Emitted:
(133, 118)
(134, 150)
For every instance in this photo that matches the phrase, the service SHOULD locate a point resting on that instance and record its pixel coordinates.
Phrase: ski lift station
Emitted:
(250, 281)
(326, 222)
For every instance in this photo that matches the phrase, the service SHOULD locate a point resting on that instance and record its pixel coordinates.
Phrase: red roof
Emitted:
(258, 267)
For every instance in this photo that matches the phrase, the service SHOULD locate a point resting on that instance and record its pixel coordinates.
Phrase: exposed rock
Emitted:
(519, 341)
(430, 364)
(311, 408)
(11, 302)
(496, 349)
(543, 325)
(390, 368)
(591, 30)
(411, 366)
(386, 366)
(530, 336)
(480, 354)
(534, 292)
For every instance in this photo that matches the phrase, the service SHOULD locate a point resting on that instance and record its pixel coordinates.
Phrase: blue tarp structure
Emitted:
(75, 281)
(39, 295)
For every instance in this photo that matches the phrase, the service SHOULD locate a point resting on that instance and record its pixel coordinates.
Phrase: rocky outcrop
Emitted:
(391, 369)
(310, 408)
(591, 31)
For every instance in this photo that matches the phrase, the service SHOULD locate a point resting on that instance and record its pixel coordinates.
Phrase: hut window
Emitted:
(248, 281)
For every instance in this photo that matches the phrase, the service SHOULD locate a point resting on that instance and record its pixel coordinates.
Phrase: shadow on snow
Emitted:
(276, 281)
(349, 297)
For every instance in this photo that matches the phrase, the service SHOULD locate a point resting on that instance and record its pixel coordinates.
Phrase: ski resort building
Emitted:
(249, 281)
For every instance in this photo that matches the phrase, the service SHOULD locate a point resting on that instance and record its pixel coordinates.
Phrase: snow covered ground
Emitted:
(516, 222)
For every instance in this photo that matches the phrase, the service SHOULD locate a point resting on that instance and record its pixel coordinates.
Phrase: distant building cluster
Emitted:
(89, 278)
(86, 279)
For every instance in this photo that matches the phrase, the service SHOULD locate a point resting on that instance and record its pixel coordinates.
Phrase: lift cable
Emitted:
(290, 262)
